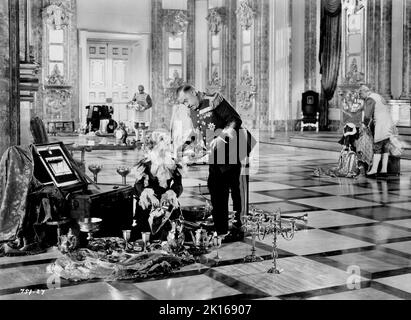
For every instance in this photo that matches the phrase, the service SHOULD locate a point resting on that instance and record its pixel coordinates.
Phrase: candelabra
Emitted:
(95, 169)
(252, 223)
(285, 226)
(123, 172)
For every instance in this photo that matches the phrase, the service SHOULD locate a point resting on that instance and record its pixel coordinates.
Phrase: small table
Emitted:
(88, 148)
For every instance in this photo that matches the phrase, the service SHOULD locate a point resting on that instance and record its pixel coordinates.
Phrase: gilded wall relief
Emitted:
(246, 93)
(57, 15)
(175, 21)
(216, 19)
(246, 14)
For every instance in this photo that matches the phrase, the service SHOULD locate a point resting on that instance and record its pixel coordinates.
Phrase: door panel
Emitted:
(120, 65)
(109, 77)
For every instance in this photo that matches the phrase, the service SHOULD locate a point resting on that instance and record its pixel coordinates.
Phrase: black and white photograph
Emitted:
(208, 156)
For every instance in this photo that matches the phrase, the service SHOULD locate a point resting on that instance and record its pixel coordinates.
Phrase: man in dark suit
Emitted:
(230, 146)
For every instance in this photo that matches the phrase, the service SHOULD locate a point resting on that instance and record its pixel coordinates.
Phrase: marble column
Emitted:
(372, 57)
(310, 40)
(36, 35)
(262, 62)
(9, 75)
(231, 58)
(157, 62)
(406, 69)
(191, 41)
(74, 65)
(384, 44)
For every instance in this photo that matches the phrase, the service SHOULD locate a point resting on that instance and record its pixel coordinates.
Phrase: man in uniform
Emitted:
(141, 103)
(230, 146)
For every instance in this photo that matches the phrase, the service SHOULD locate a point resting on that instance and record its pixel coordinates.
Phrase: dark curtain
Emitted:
(330, 54)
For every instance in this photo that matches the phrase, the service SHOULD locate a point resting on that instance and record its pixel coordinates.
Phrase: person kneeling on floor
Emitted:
(157, 188)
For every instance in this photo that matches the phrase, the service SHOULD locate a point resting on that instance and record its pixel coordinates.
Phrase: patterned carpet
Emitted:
(357, 244)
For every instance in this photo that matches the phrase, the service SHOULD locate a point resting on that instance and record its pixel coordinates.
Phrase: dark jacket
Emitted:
(213, 115)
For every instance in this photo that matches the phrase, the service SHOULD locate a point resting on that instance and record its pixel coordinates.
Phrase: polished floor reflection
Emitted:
(357, 244)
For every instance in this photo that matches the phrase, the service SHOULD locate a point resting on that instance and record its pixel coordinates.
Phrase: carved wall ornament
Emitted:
(57, 15)
(56, 101)
(215, 80)
(172, 86)
(353, 6)
(216, 19)
(246, 91)
(175, 21)
(354, 76)
(56, 78)
(246, 14)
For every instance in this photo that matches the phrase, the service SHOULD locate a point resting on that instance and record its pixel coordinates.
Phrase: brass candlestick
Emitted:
(275, 224)
(252, 223)
(123, 172)
(95, 169)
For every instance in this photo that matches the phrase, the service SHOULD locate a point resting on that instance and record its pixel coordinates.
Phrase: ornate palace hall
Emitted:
(205, 150)
(356, 225)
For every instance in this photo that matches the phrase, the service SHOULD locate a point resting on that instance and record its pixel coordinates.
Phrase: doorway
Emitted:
(110, 76)
(112, 67)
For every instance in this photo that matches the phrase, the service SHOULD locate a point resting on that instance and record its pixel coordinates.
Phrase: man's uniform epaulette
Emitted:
(211, 102)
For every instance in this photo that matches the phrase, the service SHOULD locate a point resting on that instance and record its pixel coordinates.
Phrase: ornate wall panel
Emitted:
(60, 61)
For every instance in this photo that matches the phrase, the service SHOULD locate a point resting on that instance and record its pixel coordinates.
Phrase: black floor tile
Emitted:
(381, 213)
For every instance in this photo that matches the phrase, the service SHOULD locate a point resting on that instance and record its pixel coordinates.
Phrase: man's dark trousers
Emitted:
(221, 180)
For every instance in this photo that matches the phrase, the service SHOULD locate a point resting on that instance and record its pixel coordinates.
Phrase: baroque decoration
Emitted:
(354, 76)
(56, 101)
(215, 80)
(56, 79)
(353, 6)
(175, 21)
(172, 85)
(216, 19)
(246, 14)
(246, 91)
(57, 15)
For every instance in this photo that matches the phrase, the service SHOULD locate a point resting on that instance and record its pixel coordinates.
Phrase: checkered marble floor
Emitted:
(356, 245)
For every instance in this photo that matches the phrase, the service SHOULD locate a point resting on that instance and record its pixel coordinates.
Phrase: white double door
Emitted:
(111, 82)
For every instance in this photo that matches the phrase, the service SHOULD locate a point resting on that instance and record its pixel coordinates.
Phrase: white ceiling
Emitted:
(125, 16)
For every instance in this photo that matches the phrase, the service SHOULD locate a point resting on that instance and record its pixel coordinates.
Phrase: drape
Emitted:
(330, 54)
(16, 172)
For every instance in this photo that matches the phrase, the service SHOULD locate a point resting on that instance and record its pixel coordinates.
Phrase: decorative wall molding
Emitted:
(215, 80)
(353, 6)
(353, 75)
(246, 91)
(217, 19)
(175, 21)
(170, 92)
(57, 101)
(56, 77)
(246, 14)
(57, 15)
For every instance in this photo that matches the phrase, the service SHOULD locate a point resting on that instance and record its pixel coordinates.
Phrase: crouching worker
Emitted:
(158, 186)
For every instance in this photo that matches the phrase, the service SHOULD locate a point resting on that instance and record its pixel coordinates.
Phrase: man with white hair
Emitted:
(378, 119)
(230, 146)
(158, 184)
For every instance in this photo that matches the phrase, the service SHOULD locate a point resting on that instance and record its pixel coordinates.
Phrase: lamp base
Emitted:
(253, 258)
(275, 270)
